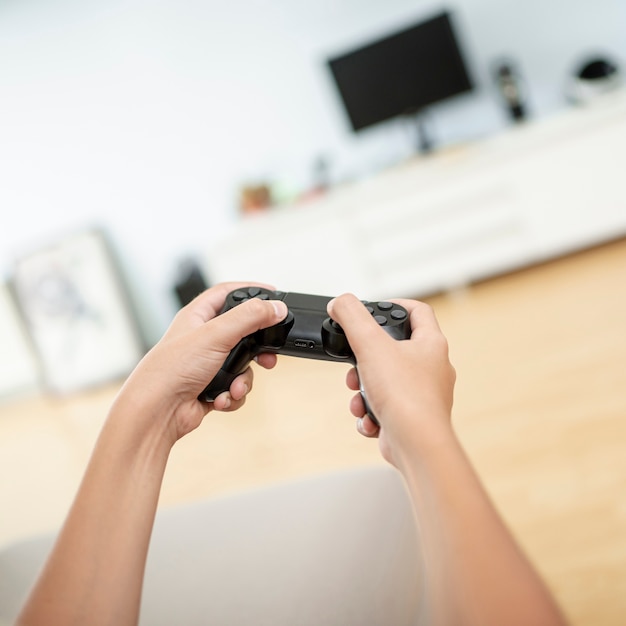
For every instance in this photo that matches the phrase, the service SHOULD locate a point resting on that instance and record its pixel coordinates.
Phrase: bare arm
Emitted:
(476, 573)
(95, 572)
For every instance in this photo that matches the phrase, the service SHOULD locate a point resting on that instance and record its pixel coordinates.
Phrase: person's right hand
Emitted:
(409, 384)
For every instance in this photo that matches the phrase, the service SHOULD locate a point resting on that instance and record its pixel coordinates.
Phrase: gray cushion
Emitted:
(333, 549)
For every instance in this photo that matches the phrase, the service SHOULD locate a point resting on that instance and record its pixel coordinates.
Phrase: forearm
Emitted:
(95, 572)
(476, 573)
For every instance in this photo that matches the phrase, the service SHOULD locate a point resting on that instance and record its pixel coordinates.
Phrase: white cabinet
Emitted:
(531, 193)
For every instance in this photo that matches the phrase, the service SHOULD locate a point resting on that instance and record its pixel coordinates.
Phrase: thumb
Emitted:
(362, 330)
(228, 329)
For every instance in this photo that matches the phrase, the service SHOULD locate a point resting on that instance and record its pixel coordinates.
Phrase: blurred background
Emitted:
(149, 148)
(148, 118)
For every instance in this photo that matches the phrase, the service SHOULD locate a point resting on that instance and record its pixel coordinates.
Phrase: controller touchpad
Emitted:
(305, 337)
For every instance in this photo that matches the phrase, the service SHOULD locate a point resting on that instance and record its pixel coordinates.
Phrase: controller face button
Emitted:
(262, 296)
(385, 306)
(398, 314)
(254, 291)
(381, 319)
(370, 310)
(239, 296)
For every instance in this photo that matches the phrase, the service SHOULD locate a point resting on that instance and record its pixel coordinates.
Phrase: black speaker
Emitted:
(189, 283)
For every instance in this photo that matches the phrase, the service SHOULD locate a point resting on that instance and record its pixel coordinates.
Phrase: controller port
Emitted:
(304, 343)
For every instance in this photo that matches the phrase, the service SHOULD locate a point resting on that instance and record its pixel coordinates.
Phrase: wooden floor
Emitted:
(540, 407)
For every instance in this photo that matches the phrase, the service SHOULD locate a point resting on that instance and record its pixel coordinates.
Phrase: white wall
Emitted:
(144, 116)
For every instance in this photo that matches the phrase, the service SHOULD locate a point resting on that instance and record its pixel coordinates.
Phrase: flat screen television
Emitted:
(401, 74)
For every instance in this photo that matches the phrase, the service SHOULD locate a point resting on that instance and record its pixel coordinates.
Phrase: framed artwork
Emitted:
(78, 313)
(19, 369)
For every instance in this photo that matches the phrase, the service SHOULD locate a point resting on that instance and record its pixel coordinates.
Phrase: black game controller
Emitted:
(307, 332)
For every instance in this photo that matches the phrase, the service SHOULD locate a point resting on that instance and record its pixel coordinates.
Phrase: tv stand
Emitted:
(526, 195)
(423, 127)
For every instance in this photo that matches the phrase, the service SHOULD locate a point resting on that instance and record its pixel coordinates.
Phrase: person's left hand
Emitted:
(172, 375)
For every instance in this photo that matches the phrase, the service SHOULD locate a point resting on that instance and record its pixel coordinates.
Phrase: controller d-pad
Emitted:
(241, 295)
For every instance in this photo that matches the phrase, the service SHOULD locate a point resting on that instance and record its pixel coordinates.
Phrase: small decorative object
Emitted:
(255, 198)
(19, 370)
(190, 281)
(510, 86)
(77, 313)
(594, 77)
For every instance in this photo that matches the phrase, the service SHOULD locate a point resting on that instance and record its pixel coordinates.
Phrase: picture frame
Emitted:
(77, 312)
(19, 368)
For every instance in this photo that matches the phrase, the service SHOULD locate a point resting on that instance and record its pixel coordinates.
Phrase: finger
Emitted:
(367, 428)
(242, 385)
(352, 379)
(209, 303)
(364, 423)
(362, 330)
(222, 402)
(266, 360)
(225, 403)
(225, 331)
(235, 397)
(357, 406)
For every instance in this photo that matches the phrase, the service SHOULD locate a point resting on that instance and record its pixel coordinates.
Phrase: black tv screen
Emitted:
(402, 73)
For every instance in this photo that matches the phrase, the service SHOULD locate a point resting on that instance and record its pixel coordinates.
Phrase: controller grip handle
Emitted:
(268, 339)
(235, 363)
(220, 383)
